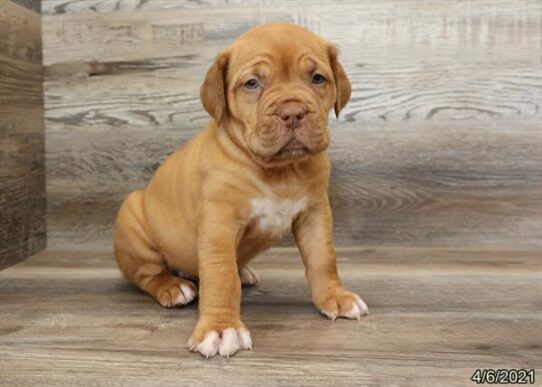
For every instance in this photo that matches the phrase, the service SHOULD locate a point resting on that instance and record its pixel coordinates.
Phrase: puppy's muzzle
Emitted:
(292, 114)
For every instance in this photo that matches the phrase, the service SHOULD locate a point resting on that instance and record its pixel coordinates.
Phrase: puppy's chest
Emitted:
(275, 215)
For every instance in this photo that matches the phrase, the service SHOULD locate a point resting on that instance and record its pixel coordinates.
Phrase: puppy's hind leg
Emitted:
(141, 263)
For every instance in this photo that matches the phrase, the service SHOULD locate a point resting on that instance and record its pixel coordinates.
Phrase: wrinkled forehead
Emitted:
(282, 48)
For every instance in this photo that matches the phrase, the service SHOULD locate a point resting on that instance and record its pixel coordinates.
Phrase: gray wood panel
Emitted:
(440, 144)
(436, 185)
(34, 5)
(22, 149)
(68, 318)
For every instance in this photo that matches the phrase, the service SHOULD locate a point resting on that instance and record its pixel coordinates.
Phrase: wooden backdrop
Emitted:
(22, 132)
(440, 145)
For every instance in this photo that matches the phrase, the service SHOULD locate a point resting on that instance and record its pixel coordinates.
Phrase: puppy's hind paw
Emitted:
(248, 276)
(176, 292)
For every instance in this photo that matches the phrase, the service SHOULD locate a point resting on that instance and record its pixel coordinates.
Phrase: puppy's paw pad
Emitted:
(248, 276)
(226, 343)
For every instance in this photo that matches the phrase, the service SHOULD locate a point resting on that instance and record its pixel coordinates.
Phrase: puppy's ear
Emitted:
(213, 91)
(342, 83)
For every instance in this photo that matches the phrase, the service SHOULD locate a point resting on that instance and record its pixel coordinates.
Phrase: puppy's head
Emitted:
(273, 88)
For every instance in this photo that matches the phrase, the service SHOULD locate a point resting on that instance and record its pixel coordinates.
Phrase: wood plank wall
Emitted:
(441, 144)
(22, 168)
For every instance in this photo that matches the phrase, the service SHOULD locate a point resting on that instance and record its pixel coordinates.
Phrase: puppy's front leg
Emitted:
(313, 234)
(219, 328)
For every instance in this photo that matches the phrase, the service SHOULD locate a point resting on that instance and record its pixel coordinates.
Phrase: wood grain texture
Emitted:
(417, 186)
(34, 5)
(22, 131)
(436, 315)
(439, 145)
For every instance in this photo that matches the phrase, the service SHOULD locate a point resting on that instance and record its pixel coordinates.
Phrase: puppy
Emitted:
(258, 170)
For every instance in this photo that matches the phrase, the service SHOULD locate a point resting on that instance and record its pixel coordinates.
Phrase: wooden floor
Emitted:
(68, 318)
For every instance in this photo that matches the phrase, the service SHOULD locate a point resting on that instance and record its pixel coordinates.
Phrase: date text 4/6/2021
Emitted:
(503, 376)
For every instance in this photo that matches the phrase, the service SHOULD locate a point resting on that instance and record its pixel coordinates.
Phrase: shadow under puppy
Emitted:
(258, 170)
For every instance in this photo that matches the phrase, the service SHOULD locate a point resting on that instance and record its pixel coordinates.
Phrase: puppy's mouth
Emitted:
(293, 149)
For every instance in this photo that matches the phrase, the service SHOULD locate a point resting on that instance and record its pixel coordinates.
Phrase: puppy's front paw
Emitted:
(225, 339)
(339, 302)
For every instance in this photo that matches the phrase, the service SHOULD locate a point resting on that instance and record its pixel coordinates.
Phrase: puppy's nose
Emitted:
(292, 113)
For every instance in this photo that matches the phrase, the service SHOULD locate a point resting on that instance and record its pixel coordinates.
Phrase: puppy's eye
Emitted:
(318, 79)
(251, 84)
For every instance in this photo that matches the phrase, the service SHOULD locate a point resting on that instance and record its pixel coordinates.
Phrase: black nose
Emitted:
(292, 113)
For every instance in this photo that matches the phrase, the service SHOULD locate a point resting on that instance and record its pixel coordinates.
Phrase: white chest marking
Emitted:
(276, 216)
